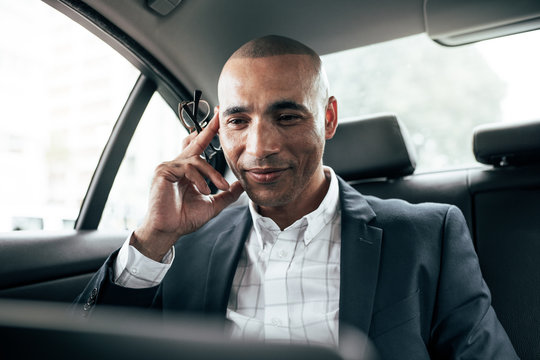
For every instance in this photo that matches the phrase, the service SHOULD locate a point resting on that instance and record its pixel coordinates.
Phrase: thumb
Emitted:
(225, 198)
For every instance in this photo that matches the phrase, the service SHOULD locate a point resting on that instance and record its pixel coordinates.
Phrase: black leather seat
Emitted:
(376, 156)
(371, 147)
(500, 201)
(506, 201)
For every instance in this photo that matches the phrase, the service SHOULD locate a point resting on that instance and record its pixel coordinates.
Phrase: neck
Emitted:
(305, 202)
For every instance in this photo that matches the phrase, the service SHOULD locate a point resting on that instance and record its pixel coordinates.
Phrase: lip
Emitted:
(265, 175)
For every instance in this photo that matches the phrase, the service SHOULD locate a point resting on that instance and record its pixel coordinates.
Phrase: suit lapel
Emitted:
(223, 262)
(360, 254)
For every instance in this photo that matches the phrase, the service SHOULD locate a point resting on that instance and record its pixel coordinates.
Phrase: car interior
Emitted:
(181, 45)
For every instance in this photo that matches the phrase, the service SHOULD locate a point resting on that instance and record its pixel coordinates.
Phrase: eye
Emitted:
(289, 118)
(236, 121)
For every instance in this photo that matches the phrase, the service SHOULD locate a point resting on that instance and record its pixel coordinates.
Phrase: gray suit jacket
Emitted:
(410, 278)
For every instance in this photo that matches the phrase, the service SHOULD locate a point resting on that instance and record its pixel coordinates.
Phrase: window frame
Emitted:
(153, 77)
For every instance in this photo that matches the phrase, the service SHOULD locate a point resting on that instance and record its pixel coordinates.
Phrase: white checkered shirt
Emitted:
(286, 285)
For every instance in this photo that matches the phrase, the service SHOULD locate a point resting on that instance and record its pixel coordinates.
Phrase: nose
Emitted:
(263, 139)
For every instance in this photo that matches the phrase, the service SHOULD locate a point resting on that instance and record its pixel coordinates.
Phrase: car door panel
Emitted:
(52, 266)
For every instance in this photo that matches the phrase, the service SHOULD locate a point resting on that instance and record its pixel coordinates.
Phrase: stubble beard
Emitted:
(269, 197)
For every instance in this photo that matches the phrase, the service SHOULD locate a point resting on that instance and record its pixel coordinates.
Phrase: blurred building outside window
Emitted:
(440, 93)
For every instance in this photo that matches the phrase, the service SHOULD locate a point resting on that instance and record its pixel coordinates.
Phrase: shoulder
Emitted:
(400, 220)
(396, 210)
(389, 211)
(418, 226)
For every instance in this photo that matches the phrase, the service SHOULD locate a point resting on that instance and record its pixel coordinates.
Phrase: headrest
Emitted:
(371, 147)
(503, 144)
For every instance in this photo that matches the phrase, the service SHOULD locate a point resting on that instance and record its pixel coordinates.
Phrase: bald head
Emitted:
(271, 46)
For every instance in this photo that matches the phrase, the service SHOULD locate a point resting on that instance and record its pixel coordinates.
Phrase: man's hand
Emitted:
(180, 200)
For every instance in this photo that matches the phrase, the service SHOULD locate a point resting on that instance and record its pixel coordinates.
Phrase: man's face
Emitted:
(272, 126)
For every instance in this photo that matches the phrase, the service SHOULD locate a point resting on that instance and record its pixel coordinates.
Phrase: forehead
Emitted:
(286, 76)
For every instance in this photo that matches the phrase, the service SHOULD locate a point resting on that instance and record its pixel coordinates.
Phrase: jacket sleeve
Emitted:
(465, 325)
(102, 291)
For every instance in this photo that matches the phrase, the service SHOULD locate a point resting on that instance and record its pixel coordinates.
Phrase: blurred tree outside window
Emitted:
(440, 93)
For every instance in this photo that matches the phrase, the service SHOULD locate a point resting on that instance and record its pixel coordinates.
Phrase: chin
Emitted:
(269, 198)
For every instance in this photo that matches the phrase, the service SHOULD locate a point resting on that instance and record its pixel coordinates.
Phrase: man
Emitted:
(309, 253)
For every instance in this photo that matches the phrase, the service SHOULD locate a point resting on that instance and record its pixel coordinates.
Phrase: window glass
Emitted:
(158, 138)
(61, 92)
(440, 93)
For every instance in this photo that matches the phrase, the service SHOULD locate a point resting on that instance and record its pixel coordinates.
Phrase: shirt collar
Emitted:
(311, 224)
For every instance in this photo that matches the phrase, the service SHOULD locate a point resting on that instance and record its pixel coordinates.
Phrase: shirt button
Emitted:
(276, 322)
(282, 253)
(134, 271)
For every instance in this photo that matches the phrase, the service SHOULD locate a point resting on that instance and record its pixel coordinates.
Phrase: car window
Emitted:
(61, 92)
(158, 138)
(440, 93)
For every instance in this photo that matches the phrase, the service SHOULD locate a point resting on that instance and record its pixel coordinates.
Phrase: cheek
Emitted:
(229, 145)
(314, 140)
(308, 149)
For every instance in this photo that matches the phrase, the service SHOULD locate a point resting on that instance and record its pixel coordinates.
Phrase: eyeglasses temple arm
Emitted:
(193, 118)
(196, 98)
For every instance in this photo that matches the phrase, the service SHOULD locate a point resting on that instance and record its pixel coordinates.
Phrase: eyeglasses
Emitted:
(194, 117)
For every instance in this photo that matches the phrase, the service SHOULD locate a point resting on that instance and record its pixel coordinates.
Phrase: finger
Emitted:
(204, 168)
(176, 170)
(237, 189)
(187, 140)
(195, 177)
(211, 173)
(216, 114)
(201, 141)
(225, 198)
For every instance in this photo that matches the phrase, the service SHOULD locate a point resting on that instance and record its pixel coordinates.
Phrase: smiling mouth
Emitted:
(265, 175)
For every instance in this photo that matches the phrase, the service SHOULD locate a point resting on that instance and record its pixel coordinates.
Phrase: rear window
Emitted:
(440, 93)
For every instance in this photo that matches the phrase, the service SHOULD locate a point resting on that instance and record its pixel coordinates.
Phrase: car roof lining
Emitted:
(176, 38)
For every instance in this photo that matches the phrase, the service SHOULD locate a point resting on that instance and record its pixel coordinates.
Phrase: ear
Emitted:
(331, 118)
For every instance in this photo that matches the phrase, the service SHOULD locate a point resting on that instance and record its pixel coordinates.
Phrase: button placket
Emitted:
(276, 297)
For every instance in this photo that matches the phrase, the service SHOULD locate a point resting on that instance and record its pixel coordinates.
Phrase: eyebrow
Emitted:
(275, 106)
(235, 110)
(286, 105)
